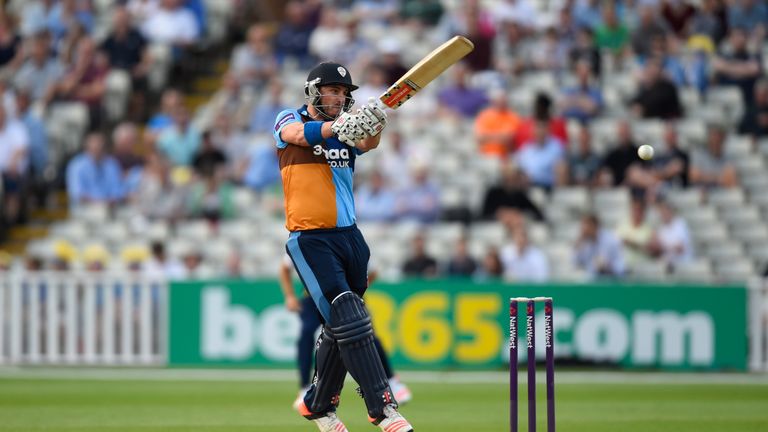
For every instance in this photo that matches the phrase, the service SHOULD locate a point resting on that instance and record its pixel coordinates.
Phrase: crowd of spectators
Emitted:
(174, 164)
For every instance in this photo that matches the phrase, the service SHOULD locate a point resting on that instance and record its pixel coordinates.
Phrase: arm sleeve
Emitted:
(285, 117)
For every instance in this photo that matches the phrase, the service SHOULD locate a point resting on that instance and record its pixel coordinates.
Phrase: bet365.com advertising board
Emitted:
(459, 324)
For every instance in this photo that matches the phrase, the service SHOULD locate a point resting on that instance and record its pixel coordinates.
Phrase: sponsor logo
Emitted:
(283, 120)
(337, 158)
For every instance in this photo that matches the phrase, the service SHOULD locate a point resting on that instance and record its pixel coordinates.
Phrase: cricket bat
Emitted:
(426, 70)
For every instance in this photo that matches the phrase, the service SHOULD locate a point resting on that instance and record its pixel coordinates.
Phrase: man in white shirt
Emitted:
(172, 24)
(522, 261)
(672, 240)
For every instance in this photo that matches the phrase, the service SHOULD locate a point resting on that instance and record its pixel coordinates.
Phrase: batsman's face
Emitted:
(332, 99)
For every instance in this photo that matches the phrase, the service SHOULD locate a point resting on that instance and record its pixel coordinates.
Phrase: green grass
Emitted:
(82, 405)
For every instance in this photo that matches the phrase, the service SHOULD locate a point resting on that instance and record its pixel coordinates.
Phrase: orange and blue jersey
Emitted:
(317, 181)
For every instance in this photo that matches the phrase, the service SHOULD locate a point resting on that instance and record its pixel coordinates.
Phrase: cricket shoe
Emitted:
(300, 398)
(392, 421)
(327, 422)
(401, 392)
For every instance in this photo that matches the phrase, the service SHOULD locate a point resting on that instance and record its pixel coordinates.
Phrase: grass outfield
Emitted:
(136, 401)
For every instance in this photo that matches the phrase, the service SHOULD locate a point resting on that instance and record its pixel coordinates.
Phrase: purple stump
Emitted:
(513, 365)
(549, 345)
(530, 336)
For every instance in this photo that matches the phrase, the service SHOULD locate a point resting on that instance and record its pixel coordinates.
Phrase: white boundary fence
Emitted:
(82, 319)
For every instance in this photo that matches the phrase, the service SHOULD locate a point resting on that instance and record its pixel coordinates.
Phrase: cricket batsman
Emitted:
(317, 145)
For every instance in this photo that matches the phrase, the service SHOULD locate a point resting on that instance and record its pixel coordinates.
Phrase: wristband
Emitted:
(313, 132)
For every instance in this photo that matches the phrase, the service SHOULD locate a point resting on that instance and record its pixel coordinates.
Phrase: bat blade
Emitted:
(426, 70)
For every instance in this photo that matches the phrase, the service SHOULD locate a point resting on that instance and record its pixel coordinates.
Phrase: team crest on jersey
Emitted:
(342, 71)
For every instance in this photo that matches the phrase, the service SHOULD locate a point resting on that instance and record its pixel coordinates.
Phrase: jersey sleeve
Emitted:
(285, 117)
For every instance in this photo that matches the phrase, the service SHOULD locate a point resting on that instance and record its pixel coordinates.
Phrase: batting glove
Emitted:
(374, 119)
(348, 129)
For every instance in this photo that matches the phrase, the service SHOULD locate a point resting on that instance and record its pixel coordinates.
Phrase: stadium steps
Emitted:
(37, 228)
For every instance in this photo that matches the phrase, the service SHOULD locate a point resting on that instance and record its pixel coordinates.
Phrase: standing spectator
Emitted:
(253, 62)
(180, 141)
(584, 101)
(636, 234)
(292, 38)
(736, 65)
(94, 176)
(540, 158)
(755, 119)
(598, 251)
(509, 195)
(375, 200)
(657, 96)
(495, 126)
(582, 163)
(419, 263)
(461, 263)
(522, 261)
(710, 167)
(672, 240)
(419, 201)
(14, 163)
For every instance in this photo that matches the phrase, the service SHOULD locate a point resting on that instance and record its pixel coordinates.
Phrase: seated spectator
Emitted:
(180, 141)
(374, 84)
(38, 137)
(510, 194)
(619, 159)
(657, 96)
(209, 159)
(262, 118)
(125, 143)
(671, 64)
(672, 240)
(677, 15)
(161, 266)
(420, 201)
(542, 112)
(232, 101)
(171, 24)
(581, 164)
(709, 21)
(427, 12)
(375, 200)
(95, 258)
(86, 81)
(585, 49)
(710, 167)
(750, 15)
(522, 261)
(419, 263)
(612, 34)
(233, 142)
(394, 152)
(461, 263)
(549, 53)
(636, 235)
(458, 98)
(736, 65)
(262, 169)
(156, 197)
(292, 38)
(391, 61)
(67, 13)
(587, 14)
(128, 50)
(598, 251)
(755, 119)
(253, 62)
(495, 126)
(672, 163)
(211, 198)
(141, 10)
(170, 101)
(649, 27)
(490, 267)
(11, 53)
(41, 70)
(14, 164)
(93, 176)
(584, 101)
(540, 158)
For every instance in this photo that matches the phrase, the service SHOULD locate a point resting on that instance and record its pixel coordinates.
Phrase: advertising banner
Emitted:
(464, 325)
